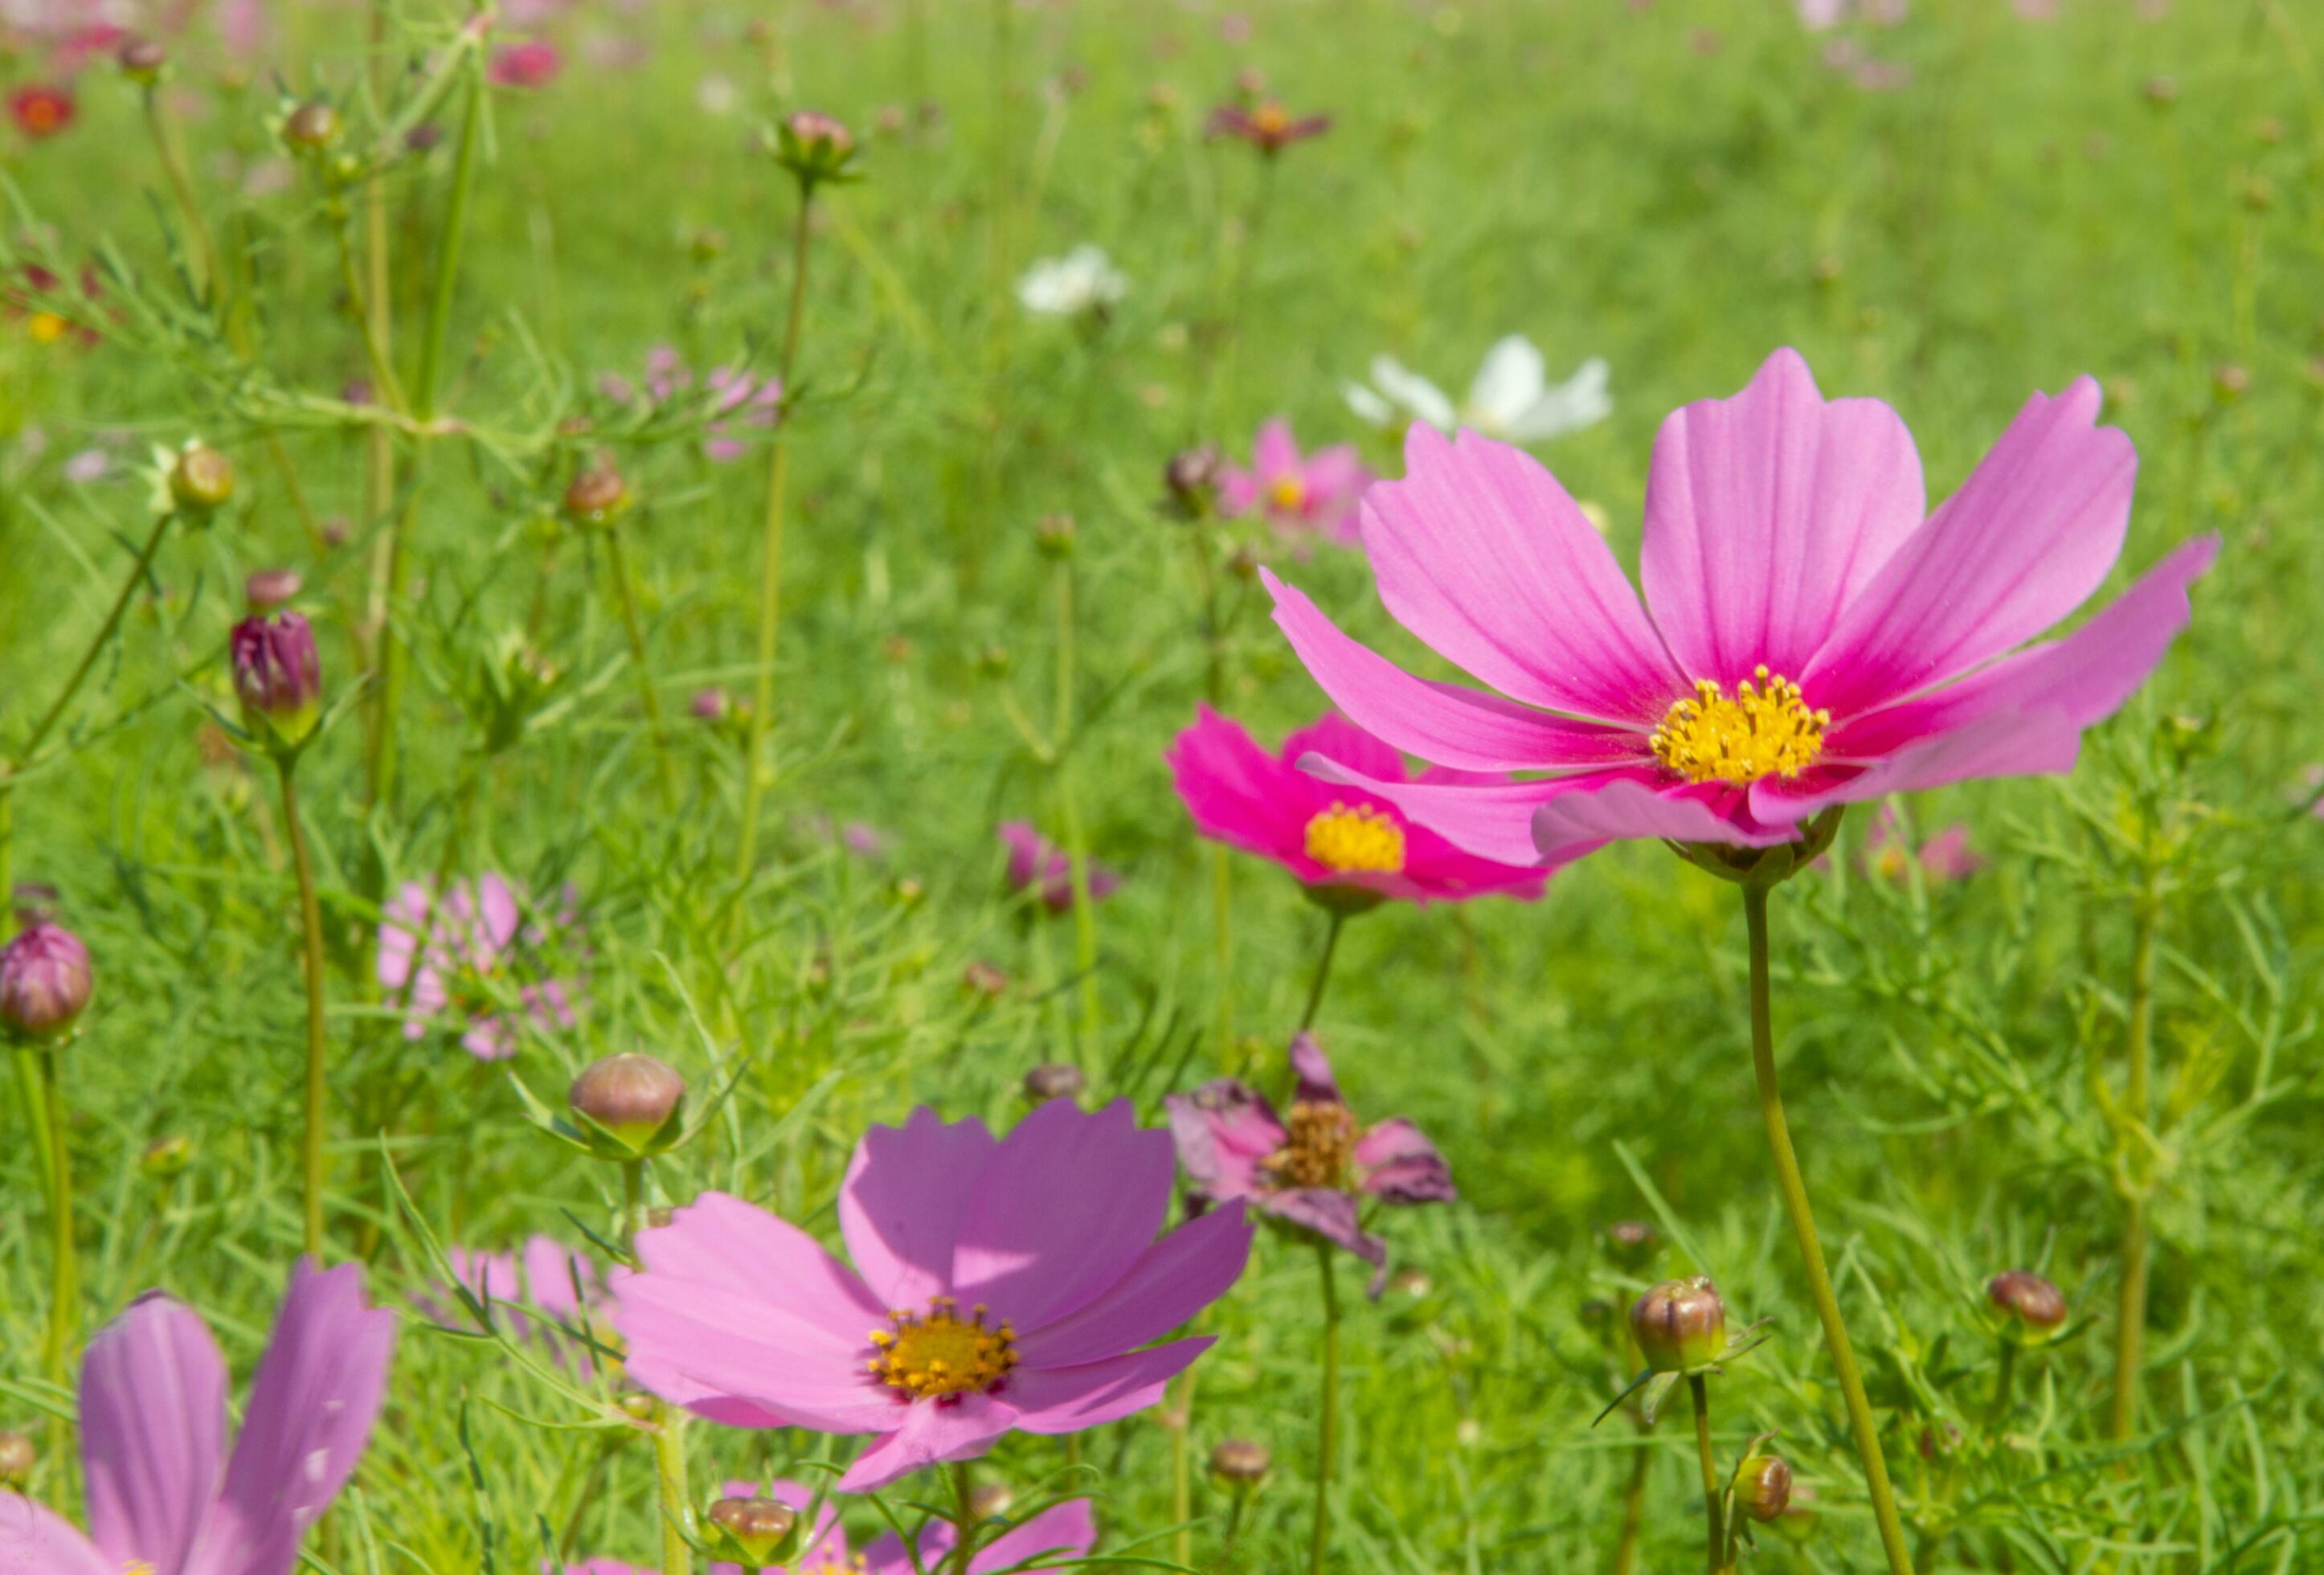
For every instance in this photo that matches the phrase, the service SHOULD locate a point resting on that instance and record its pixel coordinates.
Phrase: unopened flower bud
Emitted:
(1763, 1491)
(596, 496)
(1193, 477)
(201, 479)
(1055, 536)
(140, 60)
(1241, 1461)
(631, 1097)
(277, 676)
(641, 1407)
(311, 126)
(709, 705)
(990, 1500)
(45, 982)
(1632, 1243)
(2024, 1300)
(165, 1158)
(811, 146)
(993, 661)
(2229, 383)
(268, 589)
(759, 1529)
(983, 978)
(1055, 1080)
(16, 1460)
(1680, 1325)
(424, 137)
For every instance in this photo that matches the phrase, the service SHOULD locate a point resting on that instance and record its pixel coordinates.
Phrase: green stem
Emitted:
(214, 280)
(1181, 1471)
(756, 769)
(2002, 1381)
(964, 1547)
(633, 1199)
(49, 718)
(1327, 1414)
(1714, 1529)
(1322, 971)
(625, 592)
(310, 921)
(1634, 1513)
(670, 1474)
(448, 246)
(1076, 833)
(1796, 1204)
(64, 1263)
(2130, 1339)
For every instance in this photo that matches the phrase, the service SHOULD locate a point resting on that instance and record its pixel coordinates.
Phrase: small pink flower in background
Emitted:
(1034, 861)
(999, 1284)
(1316, 1168)
(1269, 127)
(163, 1493)
(471, 952)
(736, 398)
(90, 465)
(1810, 635)
(1315, 493)
(1343, 844)
(1944, 857)
(541, 1279)
(533, 63)
(41, 109)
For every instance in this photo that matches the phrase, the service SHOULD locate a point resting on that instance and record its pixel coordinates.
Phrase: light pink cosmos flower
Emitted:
(540, 1279)
(470, 953)
(1347, 847)
(1315, 494)
(1808, 638)
(736, 398)
(999, 1284)
(1945, 857)
(1317, 1168)
(1035, 860)
(163, 1494)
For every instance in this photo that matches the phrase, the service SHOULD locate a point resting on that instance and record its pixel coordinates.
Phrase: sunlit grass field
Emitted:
(1947, 211)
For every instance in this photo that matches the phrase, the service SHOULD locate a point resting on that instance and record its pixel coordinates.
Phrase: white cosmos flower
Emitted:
(1083, 279)
(1512, 396)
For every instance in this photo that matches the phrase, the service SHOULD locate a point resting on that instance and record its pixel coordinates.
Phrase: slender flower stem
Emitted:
(310, 922)
(64, 1262)
(1181, 1469)
(963, 1521)
(2001, 1380)
(448, 247)
(1322, 969)
(2130, 1335)
(756, 769)
(669, 1473)
(633, 1199)
(1221, 869)
(1634, 1513)
(55, 712)
(1697, 1389)
(1069, 803)
(1796, 1204)
(1235, 1508)
(1327, 1413)
(626, 590)
(214, 279)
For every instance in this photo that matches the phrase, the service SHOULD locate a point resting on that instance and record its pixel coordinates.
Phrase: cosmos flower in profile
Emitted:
(1510, 398)
(1810, 635)
(1083, 282)
(1038, 864)
(1267, 126)
(463, 964)
(1300, 495)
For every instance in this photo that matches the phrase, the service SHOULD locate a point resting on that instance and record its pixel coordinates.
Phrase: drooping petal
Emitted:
(1508, 381)
(1052, 1400)
(1221, 1131)
(1317, 1085)
(1069, 1201)
(1618, 805)
(899, 1207)
(2029, 535)
(36, 1541)
(1335, 1216)
(1401, 1166)
(1766, 513)
(1482, 555)
(1173, 1280)
(1447, 724)
(928, 1435)
(153, 1417)
(1489, 820)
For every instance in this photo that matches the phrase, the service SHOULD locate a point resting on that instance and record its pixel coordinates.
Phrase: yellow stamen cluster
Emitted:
(1289, 495)
(1320, 1148)
(1767, 730)
(1271, 119)
(942, 1353)
(47, 328)
(831, 1563)
(1360, 840)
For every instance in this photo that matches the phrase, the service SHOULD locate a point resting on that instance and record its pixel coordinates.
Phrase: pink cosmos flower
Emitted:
(1345, 846)
(533, 63)
(1062, 1530)
(1297, 495)
(998, 1284)
(1945, 857)
(540, 1279)
(1034, 860)
(163, 1494)
(41, 110)
(736, 399)
(1808, 638)
(470, 953)
(1317, 1168)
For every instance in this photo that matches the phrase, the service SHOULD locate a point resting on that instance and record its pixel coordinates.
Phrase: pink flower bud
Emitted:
(277, 676)
(270, 588)
(45, 982)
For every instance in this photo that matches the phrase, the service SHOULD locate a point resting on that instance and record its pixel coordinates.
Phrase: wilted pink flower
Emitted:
(1944, 857)
(1008, 1284)
(1317, 1168)
(45, 982)
(1297, 495)
(1034, 861)
(163, 1494)
(1808, 638)
(1270, 128)
(533, 63)
(473, 953)
(1345, 846)
(41, 110)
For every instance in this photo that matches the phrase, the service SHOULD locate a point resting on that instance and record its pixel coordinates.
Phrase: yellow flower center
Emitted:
(928, 1358)
(1765, 729)
(47, 328)
(1358, 840)
(1271, 119)
(1321, 1147)
(1289, 495)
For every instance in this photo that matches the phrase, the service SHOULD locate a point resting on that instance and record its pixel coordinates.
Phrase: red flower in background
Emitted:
(41, 110)
(533, 63)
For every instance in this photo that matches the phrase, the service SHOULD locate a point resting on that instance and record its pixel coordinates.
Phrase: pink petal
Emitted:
(928, 1435)
(1274, 453)
(1766, 514)
(1616, 806)
(1483, 556)
(1488, 820)
(1173, 1280)
(1336, 738)
(1068, 1529)
(1069, 1202)
(1069, 1399)
(1335, 1216)
(1221, 1131)
(1402, 1166)
(550, 1268)
(1437, 871)
(153, 1417)
(500, 915)
(38, 1542)
(2015, 744)
(899, 1207)
(1238, 492)
(1237, 792)
(2026, 540)
(1447, 724)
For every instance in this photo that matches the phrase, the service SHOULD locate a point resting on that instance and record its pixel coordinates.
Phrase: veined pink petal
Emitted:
(1238, 793)
(1173, 1280)
(928, 1435)
(1613, 805)
(1274, 453)
(2014, 743)
(1066, 1529)
(1443, 723)
(153, 1417)
(1766, 514)
(703, 1346)
(1402, 1166)
(1054, 1400)
(899, 1207)
(720, 1242)
(1483, 556)
(1336, 738)
(1489, 820)
(42, 1542)
(2026, 540)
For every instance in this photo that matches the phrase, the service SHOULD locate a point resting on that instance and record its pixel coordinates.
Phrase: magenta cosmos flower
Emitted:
(164, 1496)
(998, 1284)
(1344, 846)
(1035, 862)
(1297, 495)
(1807, 639)
(1316, 1168)
(469, 952)
(1062, 1532)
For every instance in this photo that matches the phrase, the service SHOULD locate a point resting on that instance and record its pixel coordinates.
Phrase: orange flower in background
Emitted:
(41, 110)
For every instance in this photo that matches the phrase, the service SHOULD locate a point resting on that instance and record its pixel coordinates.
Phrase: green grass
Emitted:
(1679, 187)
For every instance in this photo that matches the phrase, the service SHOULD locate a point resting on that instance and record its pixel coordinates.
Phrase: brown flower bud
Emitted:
(1680, 1325)
(631, 1095)
(16, 1460)
(596, 496)
(1055, 1080)
(758, 1527)
(1632, 1243)
(984, 979)
(311, 126)
(990, 1500)
(140, 60)
(1765, 1489)
(1241, 1461)
(2024, 1299)
(270, 588)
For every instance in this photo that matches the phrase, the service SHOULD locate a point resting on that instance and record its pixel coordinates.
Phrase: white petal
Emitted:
(1368, 404)
(1580, 400)
(1509, 383)
(1415, 393)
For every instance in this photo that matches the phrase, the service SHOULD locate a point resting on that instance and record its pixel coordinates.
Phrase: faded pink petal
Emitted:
(153, 1417)
(901, 1204)
(1174, 1279)
(1064, 1531)
(1069, 1399)
(929, 1435)
(39, 1541)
